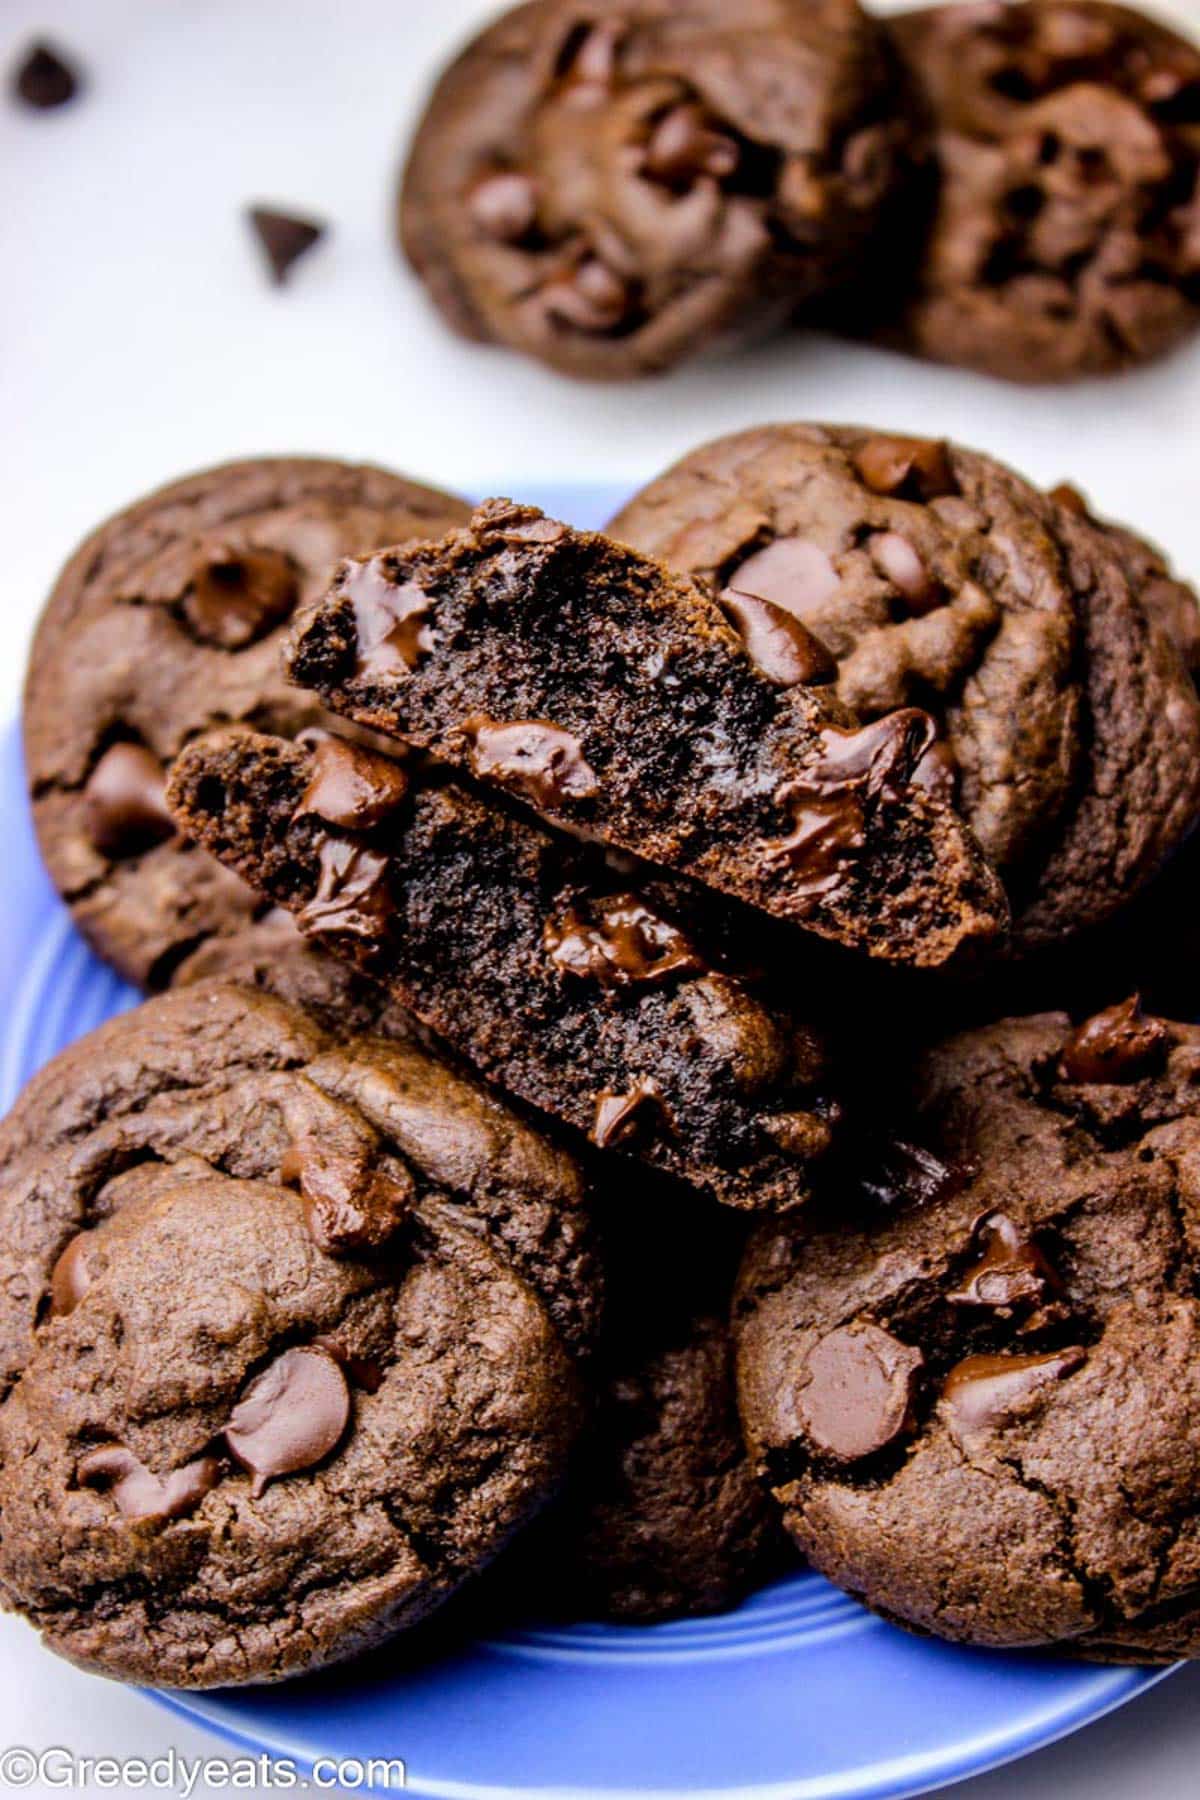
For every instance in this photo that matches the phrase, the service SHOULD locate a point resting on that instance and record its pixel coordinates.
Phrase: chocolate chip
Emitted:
(124, 802)
(910, 468)
(826, 833)
(290, 1417)
(362, 1371)
(1121, 1043)
(44, 78)
(70, 1278)
(620, 1117)
(936, 773)
(909, 1175)
(590, 57)
(592, 298)
(776, 642)
(351, 1204)
(623, 945)
(791, 572)
(804, 1135)
(352, 787)
(531, 757)
(139, 1494)
(391, 620)
(504, 205)
(1010, 1274)
(283, 237)
(352, 896)
(683, 146)
(898, 562)
(858, 1393)
(878, 757)
(981, 1391)
(1068, 496)
(237, 596)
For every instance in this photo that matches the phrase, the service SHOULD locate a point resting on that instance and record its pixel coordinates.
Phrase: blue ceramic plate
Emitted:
(798, 1694)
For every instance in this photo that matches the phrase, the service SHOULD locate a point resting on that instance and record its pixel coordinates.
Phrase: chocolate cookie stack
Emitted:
(613, 185)
(543, 914)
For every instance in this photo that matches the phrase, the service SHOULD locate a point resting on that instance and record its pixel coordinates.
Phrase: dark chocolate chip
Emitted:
(352, 787)
(683, 146)
(936, 773)
(791, 572)
(352, 896)
(982, 1391)
(124, 802)
(237, 596)
(504, 205)
(827, 832)
(620, 1117)
(877, 757)
(776, 642)
(44, 78)
(592, 298)
(909, 1175)
(70, 1278)
(290, 1417)
(1010, 1274)
(858, 1394)
(283, 237)
(899, 563)
(138, 1492)
(623, 944)
(391, 620)
(910, 468)
(531, 757)
(350, 1203)
(1069, 496)
(1121, 1043)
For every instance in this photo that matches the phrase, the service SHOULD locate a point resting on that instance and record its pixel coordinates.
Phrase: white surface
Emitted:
(139, 339)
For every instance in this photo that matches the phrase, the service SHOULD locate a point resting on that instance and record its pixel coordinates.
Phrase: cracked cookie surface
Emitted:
(1052, 649)
(979, 1414)
(167, 620)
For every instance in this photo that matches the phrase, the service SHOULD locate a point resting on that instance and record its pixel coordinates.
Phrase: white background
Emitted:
(139, 340)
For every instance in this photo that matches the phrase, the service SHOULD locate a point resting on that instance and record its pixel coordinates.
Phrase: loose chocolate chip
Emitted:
(391, 621)
(1010, 1274)
(592, 298)
(776, 642)
(290, 1417)
(504, 205)
(138, 1492)
(352, 787)
(910, 468)
(69, 1278)
(981, 1391)
(362, 1371)
(858, 1393)
(683, 146)
(44, 78)
(531, 757)
(283, 237)
(900, 564)
(352, 896)
(124, 802)
(791, 572)
(623, 945)
(621, 1116)
(237, 596)
(1121, 1043)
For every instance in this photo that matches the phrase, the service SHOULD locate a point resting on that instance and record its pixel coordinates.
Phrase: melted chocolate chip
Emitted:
(982, 1391)
(237, 596)
(138, 1492)
(858, 1396)
(124, 802)
(909, 468)
(791, 572)
(350, 1204)
(351, 787)
(44, 79)
(391, 621)
(899, 563)
(623, 945)
(531, 757)
(909, 1175)
(620, 1116)
(504, 205)
(684, 146)
(592, 298)
(352, 896)
(776, 642)
(1010, 1274)
(70, 1278)
(877, 757)
(283, 238)
(826, 834)
(936, 773)
(1121, 1043)
(290, 1417)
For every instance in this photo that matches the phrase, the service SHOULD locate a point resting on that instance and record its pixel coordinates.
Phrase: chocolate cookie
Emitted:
(1049, 648)
(609, 186)
(979, 1414)
(168, 620)
(615, 1002)
(1065, 237)
(616, 699)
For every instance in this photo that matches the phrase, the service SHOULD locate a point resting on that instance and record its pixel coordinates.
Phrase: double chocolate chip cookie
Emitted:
(290, 1336)
(1065, 237)
(610, 185)
(980, 1414)
(168, 620)
(1051, 650)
